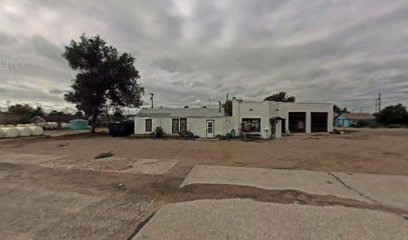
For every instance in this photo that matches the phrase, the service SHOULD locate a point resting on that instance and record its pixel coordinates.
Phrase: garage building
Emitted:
(266, 119)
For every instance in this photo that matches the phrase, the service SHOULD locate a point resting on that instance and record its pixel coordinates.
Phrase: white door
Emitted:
(210, 128)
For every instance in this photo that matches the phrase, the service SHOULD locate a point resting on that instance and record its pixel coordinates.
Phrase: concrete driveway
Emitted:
(391, 191)
(241, 219)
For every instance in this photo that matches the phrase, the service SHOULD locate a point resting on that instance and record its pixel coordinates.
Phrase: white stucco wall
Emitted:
(266, 110)
(196, 125)
(165, 123)
(251, 109)
(245, 109)
(228, 125)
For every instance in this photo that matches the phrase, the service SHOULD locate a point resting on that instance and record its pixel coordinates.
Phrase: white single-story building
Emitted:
(204, 122)
(267, 119)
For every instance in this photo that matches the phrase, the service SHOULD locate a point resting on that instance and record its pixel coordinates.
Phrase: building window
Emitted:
(175, 126)
(183, 124)
(251, 125)
(148, 125)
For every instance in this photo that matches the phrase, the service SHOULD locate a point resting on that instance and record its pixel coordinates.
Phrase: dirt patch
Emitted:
(379, 151)
(63, 169)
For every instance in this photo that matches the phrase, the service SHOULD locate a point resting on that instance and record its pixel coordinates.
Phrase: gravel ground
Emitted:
(378, 151)
(32, 208)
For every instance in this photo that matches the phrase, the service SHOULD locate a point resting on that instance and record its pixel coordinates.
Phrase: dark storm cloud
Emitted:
(187, 51)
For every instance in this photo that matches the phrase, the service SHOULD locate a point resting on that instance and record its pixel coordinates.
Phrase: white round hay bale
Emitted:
(50, 126)
(25, 131)
(46, 126)
(64, 125)
(54, 125)
(36, 130)
(1, 133)
(11, 132)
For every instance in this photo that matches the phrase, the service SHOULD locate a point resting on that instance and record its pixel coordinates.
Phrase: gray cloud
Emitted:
(171, 65)
(57, 91)
(6, 39)
(187, 51)
(47, 48)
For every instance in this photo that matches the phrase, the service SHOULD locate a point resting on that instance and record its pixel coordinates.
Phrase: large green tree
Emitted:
(280, 97)
(394, 114)
(106, 80)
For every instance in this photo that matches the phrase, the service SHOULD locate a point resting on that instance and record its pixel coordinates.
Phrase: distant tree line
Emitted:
(393, 115)
(338, 110)
(27, 112)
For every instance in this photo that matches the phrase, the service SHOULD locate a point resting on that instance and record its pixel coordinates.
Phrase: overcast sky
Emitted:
(338, 51)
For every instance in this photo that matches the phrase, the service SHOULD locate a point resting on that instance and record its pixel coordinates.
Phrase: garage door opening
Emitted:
(297, 122)
(319, 121)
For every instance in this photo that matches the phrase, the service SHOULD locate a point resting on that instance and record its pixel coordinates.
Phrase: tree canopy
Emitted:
(337, 109)
(227, 108)
(394, 114)
(280, 97)
(106, 80)
(25, 111)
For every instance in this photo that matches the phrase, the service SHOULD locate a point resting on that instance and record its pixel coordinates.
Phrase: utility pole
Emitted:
(151, 98)
(378, 102)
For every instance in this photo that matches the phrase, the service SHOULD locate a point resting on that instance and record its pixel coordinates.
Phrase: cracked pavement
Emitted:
(391, 191)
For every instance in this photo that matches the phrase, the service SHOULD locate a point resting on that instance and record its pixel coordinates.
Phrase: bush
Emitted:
(187, 134)
(362, 123)
(219, 137)
(374, 125)
(158, 132)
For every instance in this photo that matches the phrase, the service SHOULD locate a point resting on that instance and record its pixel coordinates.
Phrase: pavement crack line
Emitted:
(353, 189)
(140, 226)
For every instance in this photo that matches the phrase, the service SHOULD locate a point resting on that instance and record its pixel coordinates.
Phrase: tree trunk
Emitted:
(93, 124)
